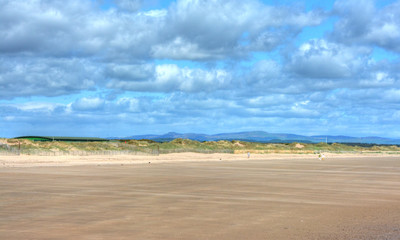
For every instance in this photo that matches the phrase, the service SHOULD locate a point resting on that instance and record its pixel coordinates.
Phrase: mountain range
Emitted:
(260, 136)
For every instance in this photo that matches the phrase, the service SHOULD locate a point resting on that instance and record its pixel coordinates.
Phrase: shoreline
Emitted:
(53, 161)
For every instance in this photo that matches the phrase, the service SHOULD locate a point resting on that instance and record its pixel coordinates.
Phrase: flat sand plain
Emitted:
(199, 196)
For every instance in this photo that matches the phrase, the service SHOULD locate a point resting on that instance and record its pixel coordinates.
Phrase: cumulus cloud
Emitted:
(264, 70)
(130, 72)
(45, 77)
(45, 27)
(129, 104)
(230, 64)
(361, 22)
(51, 56)
(189, 29)
(73, 28)
(179, 48)
(268, 101)
(318, 66)
(378, 79)
(322, 59)
(41, 107)
(171, 78)
(335, 109)
(211, 29)
(88, 104)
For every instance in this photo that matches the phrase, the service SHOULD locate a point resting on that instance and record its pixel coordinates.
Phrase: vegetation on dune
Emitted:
(186, 145)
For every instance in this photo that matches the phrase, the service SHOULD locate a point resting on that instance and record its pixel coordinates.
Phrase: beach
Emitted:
(200, 196)
(46, 161)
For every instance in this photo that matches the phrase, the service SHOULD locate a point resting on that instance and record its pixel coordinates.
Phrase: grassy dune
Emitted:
(185, 145)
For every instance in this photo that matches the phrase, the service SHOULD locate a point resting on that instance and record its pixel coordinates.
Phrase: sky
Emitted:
(117, 68)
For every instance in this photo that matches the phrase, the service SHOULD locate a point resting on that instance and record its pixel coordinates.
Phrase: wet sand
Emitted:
(198, 196)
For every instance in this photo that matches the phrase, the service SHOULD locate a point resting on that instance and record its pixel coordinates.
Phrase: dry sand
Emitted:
(37, 161)
(199, 196)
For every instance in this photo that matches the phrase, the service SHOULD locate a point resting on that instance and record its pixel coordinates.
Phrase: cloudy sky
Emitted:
(125, 67)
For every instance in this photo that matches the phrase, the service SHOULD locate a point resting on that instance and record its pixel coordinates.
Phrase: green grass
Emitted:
(185, 145)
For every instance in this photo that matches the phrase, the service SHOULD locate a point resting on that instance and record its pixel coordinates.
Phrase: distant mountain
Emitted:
(260, 136)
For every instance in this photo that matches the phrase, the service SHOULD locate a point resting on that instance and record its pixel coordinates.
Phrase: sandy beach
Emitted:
(42, 161)
(200, 196)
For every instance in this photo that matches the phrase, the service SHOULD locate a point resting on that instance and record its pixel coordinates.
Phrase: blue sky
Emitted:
(120, 68)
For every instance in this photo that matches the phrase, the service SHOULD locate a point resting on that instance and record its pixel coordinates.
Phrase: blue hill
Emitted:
(260, 136)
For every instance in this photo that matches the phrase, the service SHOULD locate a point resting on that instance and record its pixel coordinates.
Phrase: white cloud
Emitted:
(14, 110)
(211, 29)
(159, 13)
(46, 77)
(188, 29)
(88, 104)
(171, 78)
(268, 101)
(363, 23)
(323, 59)
(378, 79)
(230, 64)
(128, 104)
(130, 72)
(179, 48)
(265, 70)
